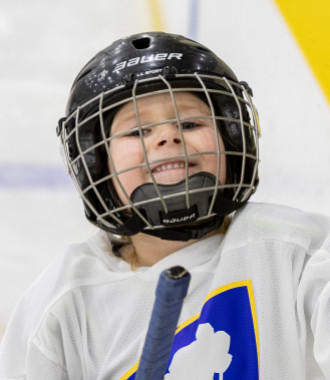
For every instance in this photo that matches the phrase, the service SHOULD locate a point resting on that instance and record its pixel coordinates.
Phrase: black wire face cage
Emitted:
(86, 141)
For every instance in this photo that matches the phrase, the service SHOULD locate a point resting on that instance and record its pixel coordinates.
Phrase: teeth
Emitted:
(169, 166)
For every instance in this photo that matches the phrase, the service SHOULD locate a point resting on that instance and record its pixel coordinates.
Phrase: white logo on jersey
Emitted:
(204, 357)
(147, 58)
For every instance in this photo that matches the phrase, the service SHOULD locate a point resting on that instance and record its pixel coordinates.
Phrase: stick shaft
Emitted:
(171, 290)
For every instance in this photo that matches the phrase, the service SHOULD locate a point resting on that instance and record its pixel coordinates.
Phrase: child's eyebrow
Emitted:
(124, 122)
(195, 110)
(184, 109)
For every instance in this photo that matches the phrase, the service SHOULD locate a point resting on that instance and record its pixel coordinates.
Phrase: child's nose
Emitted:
(168, 134)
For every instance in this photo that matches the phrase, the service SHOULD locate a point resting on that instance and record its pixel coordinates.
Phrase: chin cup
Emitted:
(179, 204)
(181, 211)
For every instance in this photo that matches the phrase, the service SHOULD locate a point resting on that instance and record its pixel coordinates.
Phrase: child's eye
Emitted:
(136, 133)
(188, 125)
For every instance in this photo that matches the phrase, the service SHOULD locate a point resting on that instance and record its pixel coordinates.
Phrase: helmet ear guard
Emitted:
(182, 211)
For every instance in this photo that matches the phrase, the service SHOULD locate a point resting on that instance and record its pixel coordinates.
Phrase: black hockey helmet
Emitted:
(142, 65)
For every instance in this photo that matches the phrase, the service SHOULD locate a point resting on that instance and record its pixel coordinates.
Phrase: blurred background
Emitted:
(280, 47)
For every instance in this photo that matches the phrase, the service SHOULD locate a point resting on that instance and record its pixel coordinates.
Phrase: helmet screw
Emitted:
(128, 78)
(169, 71)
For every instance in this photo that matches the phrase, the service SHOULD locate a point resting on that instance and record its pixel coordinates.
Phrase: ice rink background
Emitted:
(43, 46)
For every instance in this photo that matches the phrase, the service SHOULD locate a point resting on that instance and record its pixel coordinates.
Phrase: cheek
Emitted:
(125, 155)
(207, 142)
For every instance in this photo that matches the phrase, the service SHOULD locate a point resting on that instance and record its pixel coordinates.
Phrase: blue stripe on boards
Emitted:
(29, 175)
(193, 19)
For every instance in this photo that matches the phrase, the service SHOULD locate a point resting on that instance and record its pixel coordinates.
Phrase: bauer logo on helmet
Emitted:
(146, 58)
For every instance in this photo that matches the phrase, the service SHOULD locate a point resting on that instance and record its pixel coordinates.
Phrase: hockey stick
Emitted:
(171, 289)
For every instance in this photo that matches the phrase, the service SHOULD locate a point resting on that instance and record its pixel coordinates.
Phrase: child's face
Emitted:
(163, 141)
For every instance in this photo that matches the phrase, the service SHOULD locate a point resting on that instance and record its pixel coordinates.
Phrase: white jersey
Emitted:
(258, 307)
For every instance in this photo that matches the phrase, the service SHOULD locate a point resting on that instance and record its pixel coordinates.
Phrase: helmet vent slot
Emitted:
(141, 43)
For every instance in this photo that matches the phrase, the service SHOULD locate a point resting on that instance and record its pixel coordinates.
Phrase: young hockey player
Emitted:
(161, 140)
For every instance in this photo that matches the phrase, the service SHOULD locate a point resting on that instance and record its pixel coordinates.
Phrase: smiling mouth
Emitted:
(171, 166)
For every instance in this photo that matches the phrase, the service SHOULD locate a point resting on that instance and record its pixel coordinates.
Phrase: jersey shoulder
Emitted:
(264, 221)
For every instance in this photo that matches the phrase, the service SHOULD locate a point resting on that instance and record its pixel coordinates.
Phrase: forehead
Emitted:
(152, 103)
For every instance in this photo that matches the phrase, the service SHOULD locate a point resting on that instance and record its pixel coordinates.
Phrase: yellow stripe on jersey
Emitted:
(309, 21)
